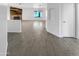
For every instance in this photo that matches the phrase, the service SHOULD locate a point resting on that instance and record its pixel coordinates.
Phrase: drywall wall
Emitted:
(68, 20)
(61, 19)
(3, 30)
(8, 13)
(28, 14)
(53, 20)
(77, 20)
(14, 26)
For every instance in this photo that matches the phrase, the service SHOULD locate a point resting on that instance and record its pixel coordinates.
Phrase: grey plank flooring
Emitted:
(34, 40)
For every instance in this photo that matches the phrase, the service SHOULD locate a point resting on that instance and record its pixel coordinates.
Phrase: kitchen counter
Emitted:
(14, 26)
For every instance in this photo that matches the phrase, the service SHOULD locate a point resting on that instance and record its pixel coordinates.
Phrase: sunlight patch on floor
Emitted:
(37, 25)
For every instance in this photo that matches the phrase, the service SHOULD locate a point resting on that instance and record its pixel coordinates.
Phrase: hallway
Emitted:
(36, 41)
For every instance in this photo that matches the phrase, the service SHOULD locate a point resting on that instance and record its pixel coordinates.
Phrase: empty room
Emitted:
(39, 29)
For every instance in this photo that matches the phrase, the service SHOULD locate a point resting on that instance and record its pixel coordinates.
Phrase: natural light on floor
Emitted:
(37, 25)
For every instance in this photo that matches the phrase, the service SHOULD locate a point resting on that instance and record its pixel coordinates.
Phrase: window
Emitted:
(37, 14)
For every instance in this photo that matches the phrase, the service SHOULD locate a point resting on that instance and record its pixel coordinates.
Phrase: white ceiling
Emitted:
(26, 5)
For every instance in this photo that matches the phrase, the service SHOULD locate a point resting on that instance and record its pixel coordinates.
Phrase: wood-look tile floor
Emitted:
(36, 41)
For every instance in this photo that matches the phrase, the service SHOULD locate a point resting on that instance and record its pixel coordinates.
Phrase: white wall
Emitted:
(3, 30)
(8, 13)
(28, 14)
(53, 21)
(77, 20)
(61, 19)
(68, 20)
